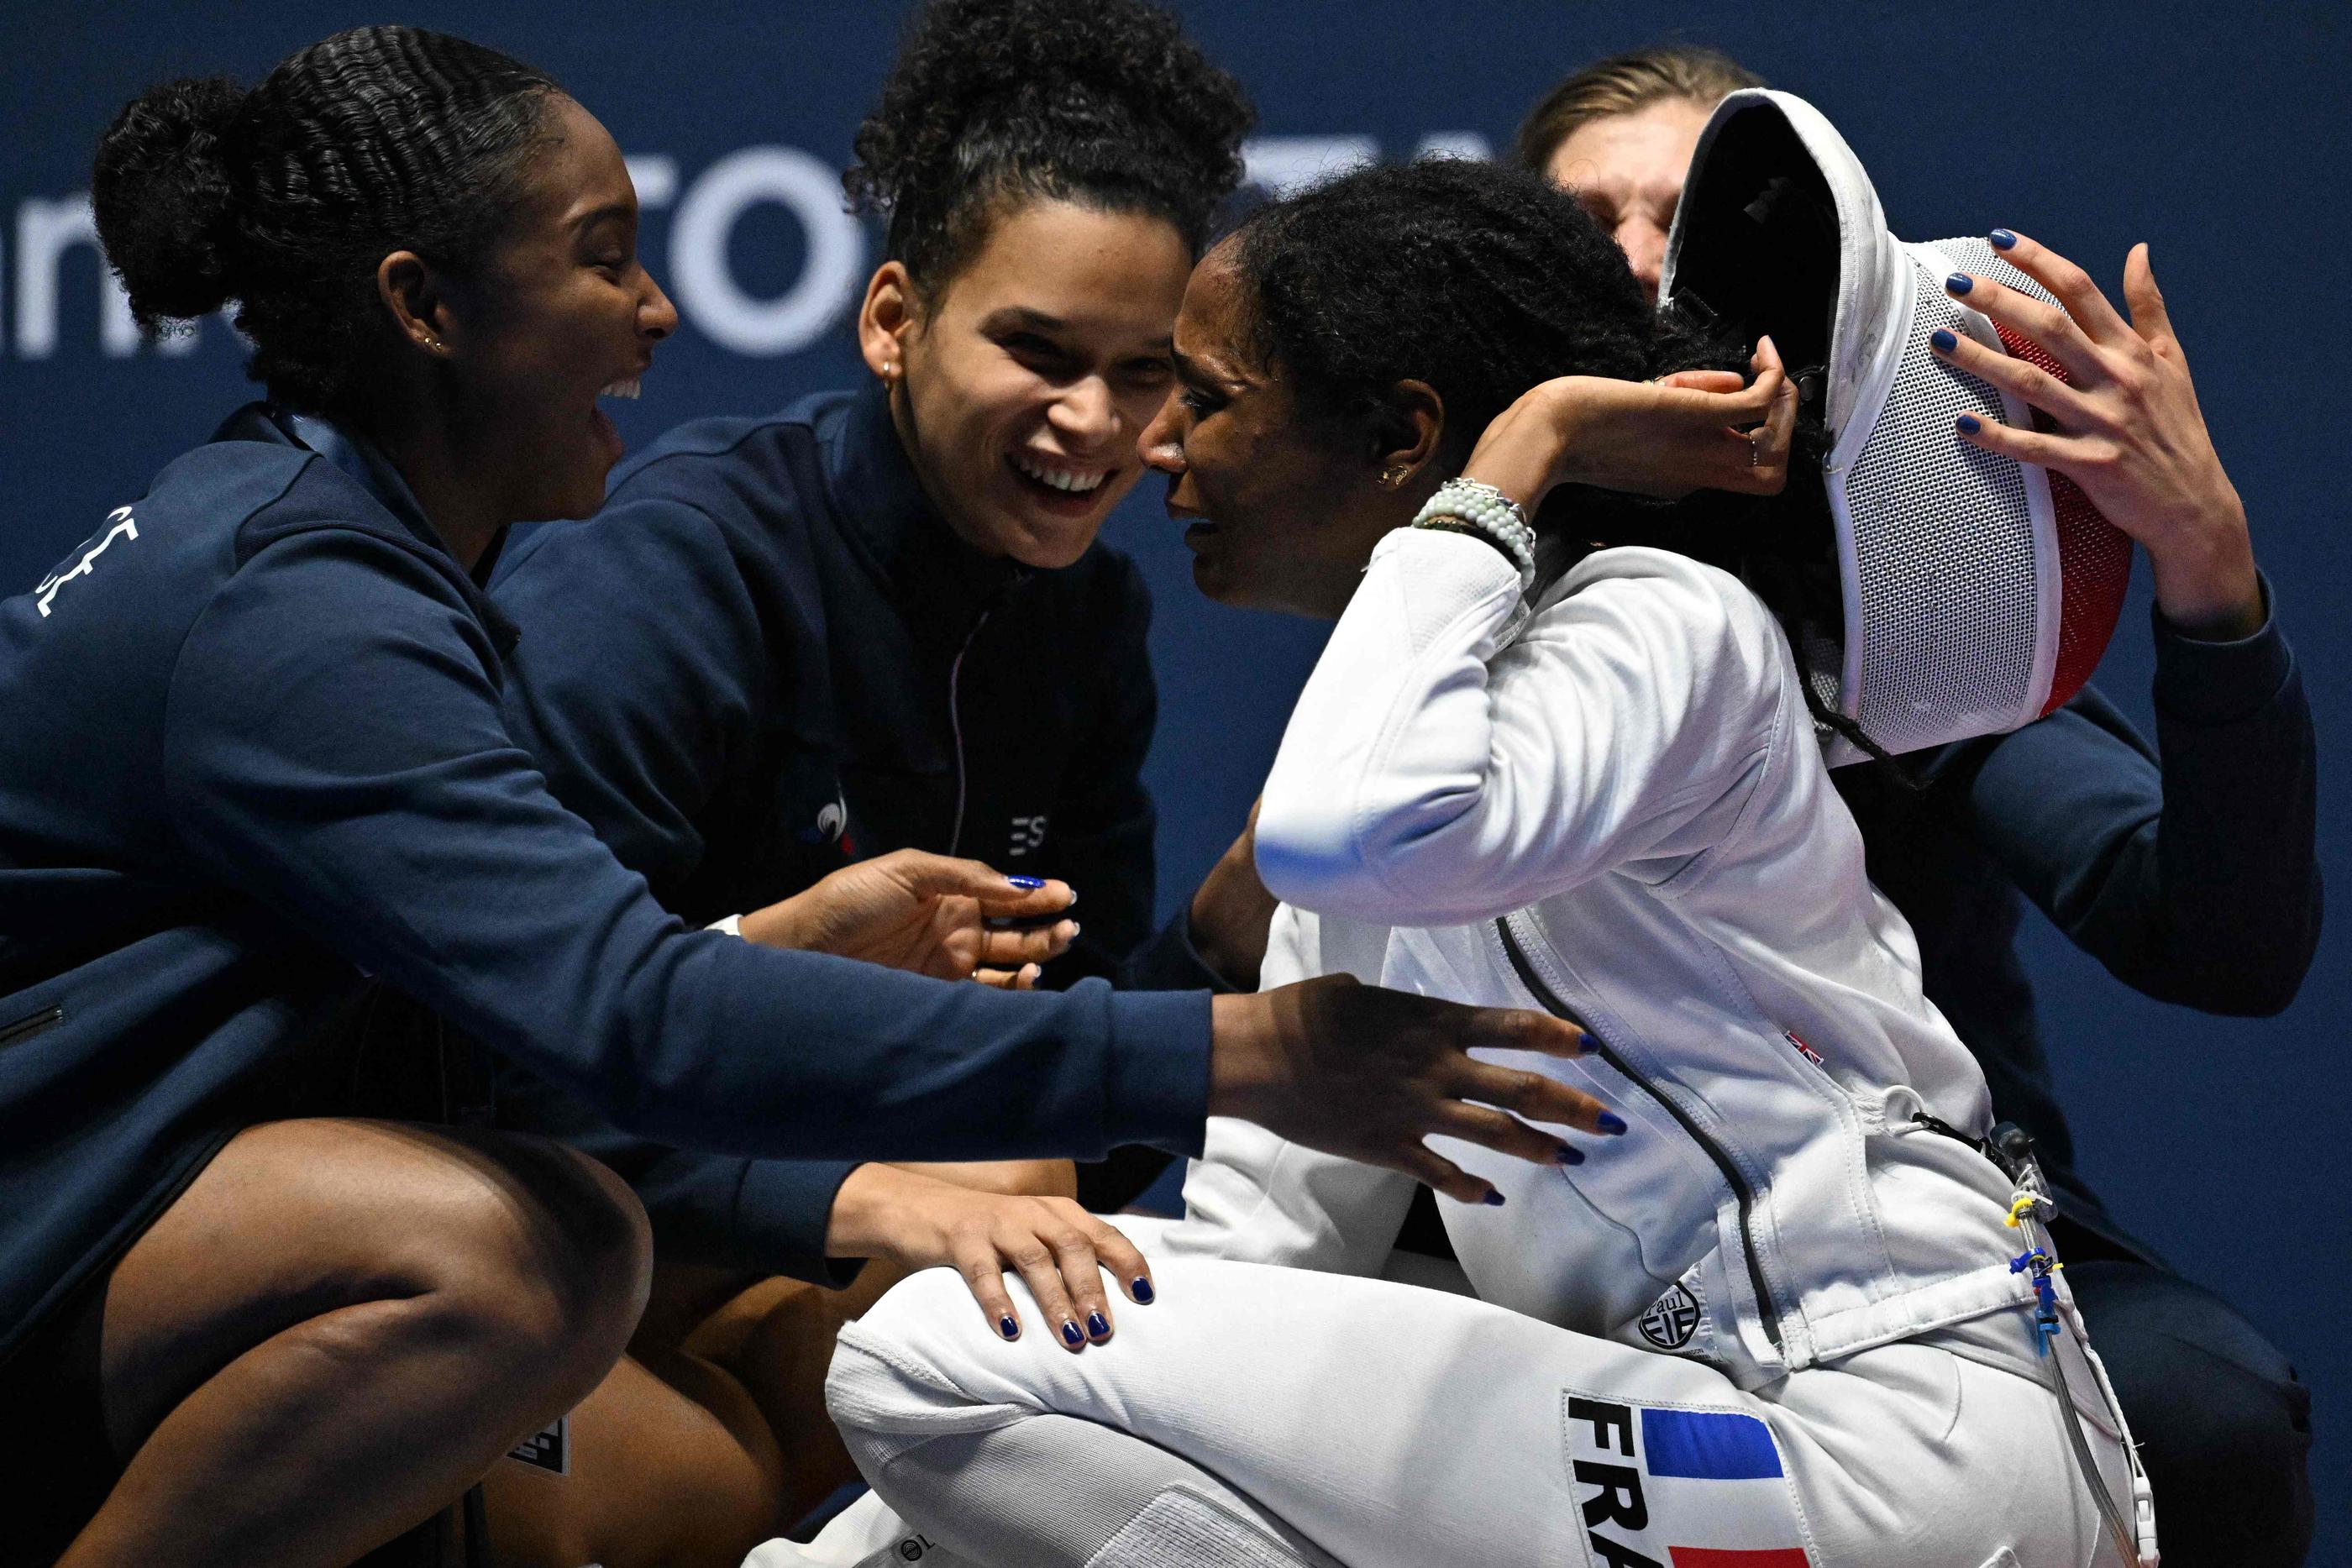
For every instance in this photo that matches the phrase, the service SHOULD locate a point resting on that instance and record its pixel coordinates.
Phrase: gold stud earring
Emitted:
(1393, 475)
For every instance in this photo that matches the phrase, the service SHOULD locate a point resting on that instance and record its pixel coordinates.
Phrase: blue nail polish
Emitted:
(1610, 1122)
(1072, 1336)
(2002, 239)
(1569, 1155)
(1959, 283)
(1143, 1290)
(1027, 883)
(1943, 339)
(1969, 425)
(1098, 1325)
(1492, 1200)
(1006, 1326)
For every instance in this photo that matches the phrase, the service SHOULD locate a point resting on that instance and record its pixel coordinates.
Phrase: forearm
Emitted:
(2206, 585)
(1230, 915)
(2194, 881)
(1379, 794)
(2238, 866)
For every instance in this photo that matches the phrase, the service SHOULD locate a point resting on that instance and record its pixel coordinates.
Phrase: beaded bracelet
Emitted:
(1468, 505)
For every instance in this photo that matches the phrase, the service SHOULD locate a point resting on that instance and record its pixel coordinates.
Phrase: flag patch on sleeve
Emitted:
(1670, 1487)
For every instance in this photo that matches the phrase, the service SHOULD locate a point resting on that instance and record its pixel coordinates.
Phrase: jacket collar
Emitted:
(938, 581)
(366, 465)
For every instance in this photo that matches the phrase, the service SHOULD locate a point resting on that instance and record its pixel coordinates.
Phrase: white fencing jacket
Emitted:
(1614, 808)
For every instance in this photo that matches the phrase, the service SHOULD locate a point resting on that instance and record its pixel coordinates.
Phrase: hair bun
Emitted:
(162, 194)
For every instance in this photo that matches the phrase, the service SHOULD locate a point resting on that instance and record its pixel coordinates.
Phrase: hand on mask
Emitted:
(929, 914)
(2123, 424)
(1691, 430)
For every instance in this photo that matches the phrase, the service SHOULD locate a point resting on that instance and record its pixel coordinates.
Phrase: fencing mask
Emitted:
(1977, 593)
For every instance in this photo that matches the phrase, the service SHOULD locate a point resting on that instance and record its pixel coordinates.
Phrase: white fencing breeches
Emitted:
(1275, 1416)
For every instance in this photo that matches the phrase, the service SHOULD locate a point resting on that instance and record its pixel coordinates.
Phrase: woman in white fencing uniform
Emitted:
(1803, 1311)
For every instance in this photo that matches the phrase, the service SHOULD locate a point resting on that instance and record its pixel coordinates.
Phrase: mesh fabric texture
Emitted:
(1944, 551)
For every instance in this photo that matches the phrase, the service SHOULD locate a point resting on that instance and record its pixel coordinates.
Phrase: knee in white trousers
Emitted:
(1374, 1424)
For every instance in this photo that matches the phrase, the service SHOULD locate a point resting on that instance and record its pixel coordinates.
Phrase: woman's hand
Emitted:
(2122, 424)
(927, 914)
(1370, 1073)
(1060, 1251)
(1692, 431)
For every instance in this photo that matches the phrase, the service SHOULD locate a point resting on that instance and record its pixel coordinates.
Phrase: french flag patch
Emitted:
(1664, 1487)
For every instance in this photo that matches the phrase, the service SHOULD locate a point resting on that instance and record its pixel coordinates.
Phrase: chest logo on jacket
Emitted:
(832, 824)
(1028, 836)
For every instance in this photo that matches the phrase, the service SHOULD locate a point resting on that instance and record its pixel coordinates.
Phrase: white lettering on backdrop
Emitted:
(49, 233)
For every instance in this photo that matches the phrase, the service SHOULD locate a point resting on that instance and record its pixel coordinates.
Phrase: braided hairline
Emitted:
(376, 138)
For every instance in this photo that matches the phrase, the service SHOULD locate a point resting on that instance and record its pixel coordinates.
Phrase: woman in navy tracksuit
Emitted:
(258, 772)
(881, 620)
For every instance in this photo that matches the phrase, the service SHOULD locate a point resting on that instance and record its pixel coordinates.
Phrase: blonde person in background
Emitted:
(2186, 867)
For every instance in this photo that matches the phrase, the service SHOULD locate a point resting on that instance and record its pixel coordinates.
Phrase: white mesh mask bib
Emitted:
(1977, 593)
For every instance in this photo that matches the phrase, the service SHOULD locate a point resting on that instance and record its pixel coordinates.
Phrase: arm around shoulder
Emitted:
(337, 752)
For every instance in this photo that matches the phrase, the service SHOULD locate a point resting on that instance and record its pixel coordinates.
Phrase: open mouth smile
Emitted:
(1056, 482)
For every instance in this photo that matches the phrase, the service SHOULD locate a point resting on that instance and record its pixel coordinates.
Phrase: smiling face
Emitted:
(1018, 387)
(1627, 170)
(1281, 512)
(561, 315)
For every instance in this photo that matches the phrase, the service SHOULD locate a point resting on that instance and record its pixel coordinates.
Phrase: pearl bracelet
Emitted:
(1468, 505)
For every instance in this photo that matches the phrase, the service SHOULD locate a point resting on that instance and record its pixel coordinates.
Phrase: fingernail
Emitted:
(1072, 1336)
(1143, 1290)
(1969, 425)
(1098, 1325)
(1075, 929)
(1610, 1122)
(1943, 339)
(1492, 1200)
(1027, 883)
(1006, 1326)
(1959, 283)
(1569, 1155)
(2002, 239)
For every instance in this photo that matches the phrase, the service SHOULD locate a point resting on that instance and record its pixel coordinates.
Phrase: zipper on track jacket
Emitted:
(24, 1028)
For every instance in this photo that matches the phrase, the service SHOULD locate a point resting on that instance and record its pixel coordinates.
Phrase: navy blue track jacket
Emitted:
(2187, 868)
(768, 656)
(256, 757)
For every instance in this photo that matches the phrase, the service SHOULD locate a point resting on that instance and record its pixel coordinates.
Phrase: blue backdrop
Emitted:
(2218, 134)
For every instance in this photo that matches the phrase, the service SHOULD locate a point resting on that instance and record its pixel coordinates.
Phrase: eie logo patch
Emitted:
(1671, 1320)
